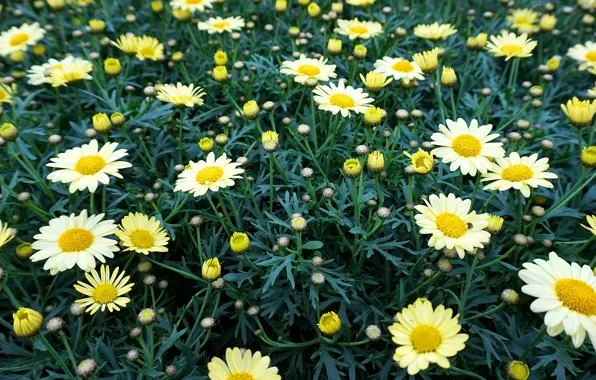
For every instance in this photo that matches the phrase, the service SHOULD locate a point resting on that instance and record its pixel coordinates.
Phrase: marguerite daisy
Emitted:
(19, 38)
(524, 20)
(181, 95)
(86, 166)
(191, 5)
(399, 68)
(304, 68)
(70, 72)
(358, 29)
(567, 293)
(448, 220)
(5, 235)
(127, 43)
(425, 335)
(149, 48)
(519, 173)
(584, 54)
(220, 25)
(212, 174)
(141, 234)
(104, 290)
(39, 74)
(435, 31)
(591, 219)
(361, 3)
(509, 45)
(75, 240)
(466, 148)
(341, 99)
(242, 366)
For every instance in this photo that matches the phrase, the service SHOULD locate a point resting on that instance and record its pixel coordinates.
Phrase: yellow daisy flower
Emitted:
(341, 99)
(70, 72)
(579, 112)
(509, 45)
(425, 335)
(524, 20)
(7, 93)
(128, 43)
(191, 5)
(39, 74)
(104, 290)
(435, 31)
(448, 220)
(26, 322)
(149, 48)
(304, 68)
(519, 173)
(399, 68)
(74, 240)
(142, 234)
(584, 54)
(5, 235)
(19, 38)
(375, 82)
(591, 219)
(86, 166)
(242, 366)
(220, 25)
(358, 29)
(181, 95)
(361, 3)
(422, 162)
(211, 174)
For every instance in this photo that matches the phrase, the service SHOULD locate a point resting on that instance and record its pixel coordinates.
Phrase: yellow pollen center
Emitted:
(342, 100)
(309, 70)
(89, 165)
(209, 175)
(19, 39)
(591, 56)
(194, 1)
(511, 49)
(517, 173)
(221, 25)
(576, 295)
(451, 225)
(142, 239)
(523, 21)
(75, 240)
(105, 293)
(181, 99)
(466, 145)
(426, 338)
(240, 376)
(147, 51)
(359, 29)
(403, 66)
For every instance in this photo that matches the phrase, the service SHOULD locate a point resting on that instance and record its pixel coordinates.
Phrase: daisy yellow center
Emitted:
(523, 21)
(576, 295)
(19, 39)
(451, 225)
(591, 56)
(466, 146)
(209, 174)
(75, 240)
(89, 165)
(142, 239)
(359, 29)
(517, 173)
(426, 338)
(147, 51)
(240, 376)
(403, 66)
(181, 99)
(309, 70)
(342, 100)
(221, 25)
(194, 1)
(511, 49)
(105, 293)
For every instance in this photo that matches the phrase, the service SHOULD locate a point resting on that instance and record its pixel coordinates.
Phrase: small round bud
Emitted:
(135, 332)
(298, 224)
(149, 280)
(171, 371)
(86, 368)
(317, 278)
(147, 316)
(317, 261)
(445, 265)
(54, 324)
(510, 296)
(383, 213)
(76, 309)
(520, 239)
(163, 284)
(197, 220)
(373, 332)
(428, 272)
(207, 322)
(283, 241)
(253, 311)
(327, 192)
(238, 305)
(303, 130)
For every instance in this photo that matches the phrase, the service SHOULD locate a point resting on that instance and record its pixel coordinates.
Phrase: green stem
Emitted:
(56, 356)
(532, 344)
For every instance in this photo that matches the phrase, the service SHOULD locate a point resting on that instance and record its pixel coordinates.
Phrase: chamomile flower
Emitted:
(39, 74)
(566, 293)
(220, 25)
(70, 72)
(426, 335)
(524, 20)
(519, 173)
(242, 366)
(86, 166)
(341, 99)
(74, 240)
(5, 235)
(304, 68)
(191, 5)
(509, 45)
(467, 148)
(181, 95)
(19, 38)
(584, 54)
(358, 29)
(399, 68)
(137, 232)
(149, 48)
(211, 174)
(104, 290)
(435, 31)
(451, 224)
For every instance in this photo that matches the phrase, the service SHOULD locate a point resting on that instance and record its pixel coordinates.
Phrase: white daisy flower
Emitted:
(584, 54)
(399, 69)
(304, 68)
(212, 174)
(358, 29)
(19, 38)
(341, 99)
(191, 5)
(39, 74)
(219, 25)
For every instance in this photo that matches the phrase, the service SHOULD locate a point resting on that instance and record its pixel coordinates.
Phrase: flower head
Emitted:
(374, 82)
(427, 60)
(149, 48)
(435, 31)
(220, 25)
(19, 38)
(70, 72)
(211, 269)
(580, 112)
(242, 365)
(400, 68)
(181, 95)
(358, 29)
(509, 45)
(191, 5)
(212, 174)
(422, 161)
(137, 232)
(239, 242)
(584, 54)
(524, 20)
(5, 235)
(341, 99)
(304, 68)
(591, 219)
(104, 290)
(128, 43)
(329, 324)
(27, 322)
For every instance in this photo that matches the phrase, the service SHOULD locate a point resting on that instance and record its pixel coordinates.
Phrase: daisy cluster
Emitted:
(268, 189)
